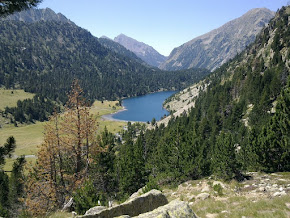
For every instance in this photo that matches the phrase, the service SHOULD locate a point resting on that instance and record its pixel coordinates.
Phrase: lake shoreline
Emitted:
(141, 109)
(110, 116)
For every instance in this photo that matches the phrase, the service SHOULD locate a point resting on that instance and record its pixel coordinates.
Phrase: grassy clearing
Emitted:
(30, 161)
(107, 107)
(240, 206)
(60, 215)
(10, 97)
(29, 137)
(112, 126)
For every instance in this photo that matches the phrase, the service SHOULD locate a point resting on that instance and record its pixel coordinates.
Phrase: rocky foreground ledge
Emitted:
(151, 204)
(259, 195)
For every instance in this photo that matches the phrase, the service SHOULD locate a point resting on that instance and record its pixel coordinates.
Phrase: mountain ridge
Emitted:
(120, 49)
(36, 15)
(58, 52)
(146, 52)
(216, 47)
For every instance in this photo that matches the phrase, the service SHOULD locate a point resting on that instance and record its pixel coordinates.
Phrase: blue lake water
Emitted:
(144, 108)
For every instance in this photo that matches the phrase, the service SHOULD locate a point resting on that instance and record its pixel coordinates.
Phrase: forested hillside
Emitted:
(42, 52)
(44, 58)
(239, 123)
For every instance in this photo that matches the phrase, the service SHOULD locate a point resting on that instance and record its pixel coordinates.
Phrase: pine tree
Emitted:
(224, 162)
(103, 165)
(11, 189)
(274, 140)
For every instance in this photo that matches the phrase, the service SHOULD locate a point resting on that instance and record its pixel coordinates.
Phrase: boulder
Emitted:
(175, 208)
(281, 189)
(205, 189)
(95, 210)
(279, 194)
(261, 189)
(135, 206)
(203, 196)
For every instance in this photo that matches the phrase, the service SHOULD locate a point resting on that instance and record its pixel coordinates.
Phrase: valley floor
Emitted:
(29, 136)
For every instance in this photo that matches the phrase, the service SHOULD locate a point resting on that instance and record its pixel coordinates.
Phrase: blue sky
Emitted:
(163, 24)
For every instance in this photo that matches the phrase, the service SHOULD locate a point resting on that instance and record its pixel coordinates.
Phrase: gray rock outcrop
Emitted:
(175, 208)
(135, 206)
(95, 210)
(203, 196)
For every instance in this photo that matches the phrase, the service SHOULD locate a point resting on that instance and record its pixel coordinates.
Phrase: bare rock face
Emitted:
(213, 49)
(175, 208)
(203, 196)
(134, 206)
(95, 210)
(136, 194)
(142, 50)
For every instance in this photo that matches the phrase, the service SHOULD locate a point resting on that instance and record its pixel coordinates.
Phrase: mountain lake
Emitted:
(143, 108)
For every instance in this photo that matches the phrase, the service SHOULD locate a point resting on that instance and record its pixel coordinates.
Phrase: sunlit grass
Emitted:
(27, 137)
(30, 161)
(10, 97)
(238, 206)
(60, 214)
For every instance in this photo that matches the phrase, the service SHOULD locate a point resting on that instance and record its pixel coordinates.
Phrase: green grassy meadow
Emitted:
(29, 137)
(10, 97)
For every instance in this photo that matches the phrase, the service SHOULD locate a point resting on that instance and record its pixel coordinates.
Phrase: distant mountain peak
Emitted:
(146, 52)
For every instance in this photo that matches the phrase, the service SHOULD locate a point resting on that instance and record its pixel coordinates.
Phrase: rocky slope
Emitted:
(142, 50)
(151, 204)
(259, 195)
(34, 15)
(213, 49)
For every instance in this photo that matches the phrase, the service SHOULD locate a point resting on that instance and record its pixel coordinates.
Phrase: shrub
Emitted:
(219, 189)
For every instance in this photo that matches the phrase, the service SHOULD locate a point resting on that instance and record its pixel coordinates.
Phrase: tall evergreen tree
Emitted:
(274, 140)
(224, 162)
